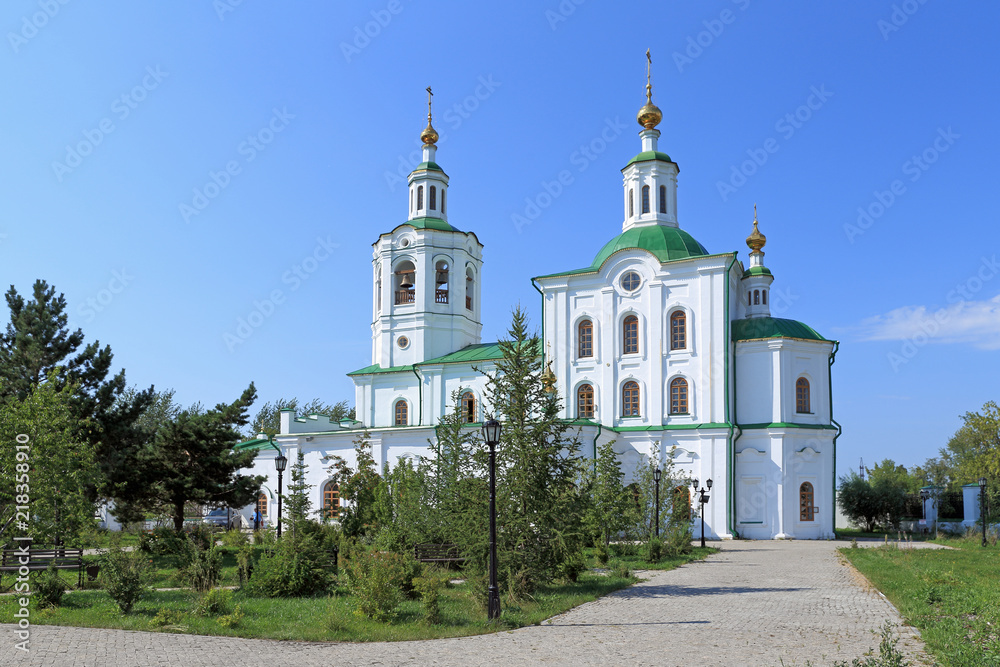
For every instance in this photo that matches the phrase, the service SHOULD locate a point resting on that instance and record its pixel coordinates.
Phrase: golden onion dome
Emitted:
(429, 136)
(649, 115)
(756, 240)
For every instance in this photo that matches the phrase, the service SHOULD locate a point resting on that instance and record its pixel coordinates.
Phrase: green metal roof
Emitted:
(647, 156)
(469, 353)
(667, 244)
(757, 271)
(431, 223)
(256, 444)
(772, 327)
(431, 166)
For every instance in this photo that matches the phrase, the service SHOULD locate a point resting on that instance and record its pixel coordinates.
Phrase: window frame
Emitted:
(645, 199)
(630, 343)
(420, 197)
(803, 398)
(683, 402)
(631, 405)
(585, 399)
(401, 403)
(663, 199)
(262, 502)
(468, 403)
(807, 512)
(432, 199)
(681, 316)
(585, 345)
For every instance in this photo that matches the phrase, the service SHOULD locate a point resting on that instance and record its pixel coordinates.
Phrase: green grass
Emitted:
(952, 596)
(849, 534)
(332, 617)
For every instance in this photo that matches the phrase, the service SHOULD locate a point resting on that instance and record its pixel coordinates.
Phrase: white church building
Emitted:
(655, 344)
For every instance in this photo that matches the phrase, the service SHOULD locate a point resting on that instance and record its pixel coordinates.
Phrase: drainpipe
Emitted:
(599, 429)
(730, 418)
(833, 488)
(541, 294)
(420, 390)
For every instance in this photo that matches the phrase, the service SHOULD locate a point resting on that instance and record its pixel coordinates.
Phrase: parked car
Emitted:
(219, 517)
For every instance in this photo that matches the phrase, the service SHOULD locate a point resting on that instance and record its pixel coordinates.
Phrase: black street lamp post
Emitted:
(656, 479)
(982, 505)
(702, 499)
(491, 433)
(280, 461)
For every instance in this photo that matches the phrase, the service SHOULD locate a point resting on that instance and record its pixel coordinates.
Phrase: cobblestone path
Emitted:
(756, 603)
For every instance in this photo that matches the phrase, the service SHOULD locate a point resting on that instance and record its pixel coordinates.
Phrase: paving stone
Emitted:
(755, 603)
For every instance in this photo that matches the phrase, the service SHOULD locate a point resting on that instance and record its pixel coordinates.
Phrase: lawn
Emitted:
(330, 617)
(894, 535)
(951, 595)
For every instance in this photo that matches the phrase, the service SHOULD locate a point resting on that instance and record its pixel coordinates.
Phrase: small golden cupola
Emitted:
(429, 136)
(649, 115)
(757, 278)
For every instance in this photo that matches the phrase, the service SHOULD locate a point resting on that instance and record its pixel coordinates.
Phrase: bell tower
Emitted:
(757, 278)
(427, 274)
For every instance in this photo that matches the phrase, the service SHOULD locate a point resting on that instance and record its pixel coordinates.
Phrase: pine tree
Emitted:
(357, 487)
(609, 501)
(297, 502)
(539, 507)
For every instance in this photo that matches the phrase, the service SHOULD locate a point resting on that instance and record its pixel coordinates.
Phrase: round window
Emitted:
(404, 242)
(630, 281)
(402, 341)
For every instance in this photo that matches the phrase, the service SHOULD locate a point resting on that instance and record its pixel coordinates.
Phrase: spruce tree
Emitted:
(609, 501)
(357, 487)
(539, 507)
(297, 502)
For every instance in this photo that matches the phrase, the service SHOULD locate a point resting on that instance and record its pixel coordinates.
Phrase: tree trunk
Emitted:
(179, 516)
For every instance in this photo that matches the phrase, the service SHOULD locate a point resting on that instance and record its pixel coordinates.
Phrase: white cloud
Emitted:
(969, 322)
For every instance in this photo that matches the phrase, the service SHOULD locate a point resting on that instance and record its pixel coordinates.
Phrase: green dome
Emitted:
(667, 244)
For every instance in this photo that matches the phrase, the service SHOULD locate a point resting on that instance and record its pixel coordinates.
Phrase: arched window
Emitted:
(763, 296)
(331, 500)
(807, 510)
(631, 203)
(433, 198)
(645, 199)
(404, 279)
(441, 276)
(469, 285)
(749, 298)
(262, 503)
(678, 330)
(468, 407)
(802, 395)
(756, 297)
(585, 402)
(630, 399)
(663, 199)
(630, 335)
(402, 413)
(420, 197)
(443, 193)
(585, 339)
(678, 396)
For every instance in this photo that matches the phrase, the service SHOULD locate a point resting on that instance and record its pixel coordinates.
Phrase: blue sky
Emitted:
(173, 167)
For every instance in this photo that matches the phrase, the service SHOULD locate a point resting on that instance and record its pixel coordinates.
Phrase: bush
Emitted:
(291, 570)
(203, 567)
(429, 588)
(166, 617)
(677, 542)
(244, 564)
(215, 602)
(654, 550)
(234, 538)
(624, 549)
(619, 569)
(571, 568)
(125, 575)
(163, 541)
(49, 587)
(265, 537)
(603, 554)
(374, 583)
(231, 620)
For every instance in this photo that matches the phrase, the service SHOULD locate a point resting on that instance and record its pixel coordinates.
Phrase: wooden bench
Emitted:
(40, 559)
(437, 553)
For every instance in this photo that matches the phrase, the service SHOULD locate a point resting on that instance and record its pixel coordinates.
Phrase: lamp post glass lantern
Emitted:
(703, 497)
(491, 433)
(280, 461)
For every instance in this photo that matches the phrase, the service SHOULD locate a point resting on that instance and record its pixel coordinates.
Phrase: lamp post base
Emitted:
(493, 604)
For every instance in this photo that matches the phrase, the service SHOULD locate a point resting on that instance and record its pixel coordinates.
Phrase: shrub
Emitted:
(166, 617)
(49, 587)
(203, 568)
(163, 541)
(215, 602)
(624, 549)
(654, 550)
(291, 570)
(231, 620)
(429, 588)
(619, 569)
(374, 585)
(677, 541)
(125, 575)
(265, 537)
(234, 538)
(571, 568)
(244, 564)
(603, 554)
